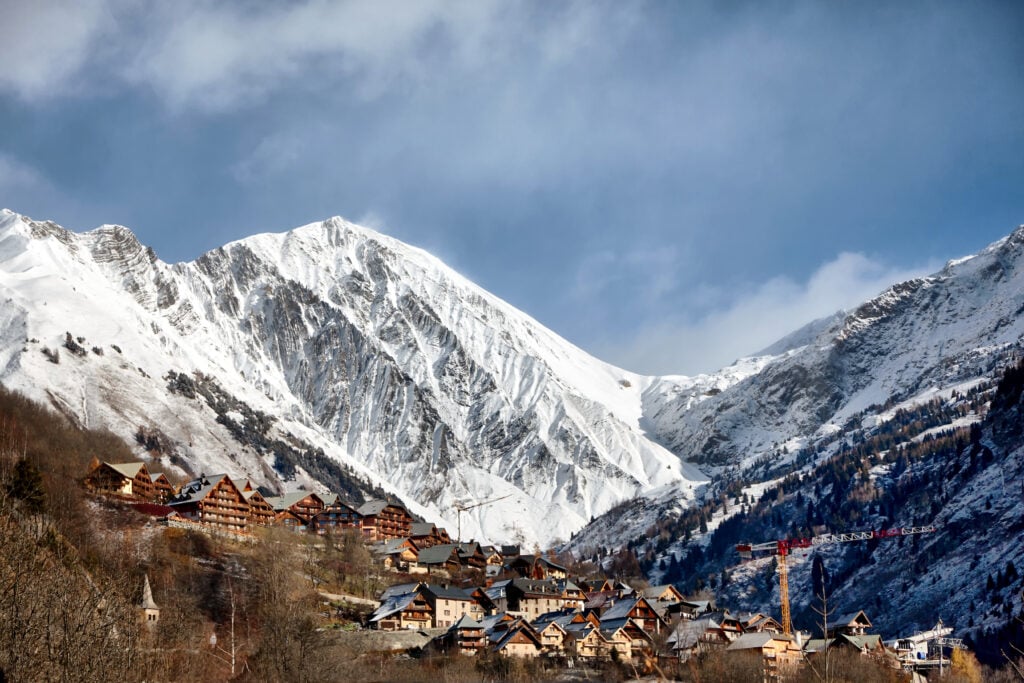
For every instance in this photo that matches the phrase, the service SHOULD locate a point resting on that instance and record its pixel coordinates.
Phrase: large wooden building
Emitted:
(213, 500)
(129, 480)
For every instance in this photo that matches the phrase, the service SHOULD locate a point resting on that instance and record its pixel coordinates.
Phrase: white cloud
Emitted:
(755, 318)
(45, 44)
(217, 56)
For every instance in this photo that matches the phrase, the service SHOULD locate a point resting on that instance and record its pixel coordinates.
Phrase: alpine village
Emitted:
(115, 571)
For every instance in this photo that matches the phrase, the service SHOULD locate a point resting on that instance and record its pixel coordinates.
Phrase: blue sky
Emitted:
(668, 185)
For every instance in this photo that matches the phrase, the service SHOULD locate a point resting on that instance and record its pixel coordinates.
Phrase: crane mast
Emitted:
(781, 548)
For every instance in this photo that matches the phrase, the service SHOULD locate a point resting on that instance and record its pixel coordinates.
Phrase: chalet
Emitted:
(536, 567)
(129, 480)
(403, 607)
(709, 631)
(585, 641)
(481, 598)
(301, 505)
(427, 534)
(572, 595)
(757, 623)
(515, 639)
(867, 644)
(260, 511)
(691, 609)
(443, 559)
(162, 487)
(852, 624)
(637, 609)
(470, 555)
(465, 637)
(449, 604)
(397, 553)
(335, 517)
(625, 638)
(666, 593)
(554, 638)
(779, 653)
(213, 500)
(533, 598)
(381, 520)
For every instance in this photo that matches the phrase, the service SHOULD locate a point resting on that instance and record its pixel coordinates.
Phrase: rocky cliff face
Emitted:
(931, 332)
(346, 342)
(334, 356)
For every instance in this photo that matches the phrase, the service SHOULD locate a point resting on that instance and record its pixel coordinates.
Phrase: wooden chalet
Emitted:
(639, 610)
(471, 555)
(213, 500)
(127, 480)
(465, 637)
(586, 641)
(302, 506)
(757, 622)
(515, 639)
(666, 593)
(397, 553)
(449, 604)
(852, 624)
(427, 534)
(260, 511)
(335, 518)
(403, 607)
(381, 520)
(163, 490)
(536, 567)
(779, 654)
(714, 630)
(443, 559)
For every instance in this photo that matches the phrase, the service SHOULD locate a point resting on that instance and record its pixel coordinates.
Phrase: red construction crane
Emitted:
(782, 547)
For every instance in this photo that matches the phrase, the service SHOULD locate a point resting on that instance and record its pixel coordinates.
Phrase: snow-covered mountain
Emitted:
(929, 333)
(331, 355)
(328, 349)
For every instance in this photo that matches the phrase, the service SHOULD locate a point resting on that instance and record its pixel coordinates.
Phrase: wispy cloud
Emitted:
(755, 318)
(46, 43)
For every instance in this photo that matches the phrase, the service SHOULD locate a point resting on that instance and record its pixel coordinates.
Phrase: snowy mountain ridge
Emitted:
(354, 343)
(331, 353)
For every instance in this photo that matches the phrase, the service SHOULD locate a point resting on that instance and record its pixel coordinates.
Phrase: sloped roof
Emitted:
(197, 489)
(328, 498)
(374, 507)
(448, 592)
(128, 469)
(466, 622)
(654, 593)
(619, 610)
(751, 641)
(147, 596)
(393, 605)
(392, 546)
(438, 554)
(422, 529)
(858, 618)
(289, 499)
(398, 589)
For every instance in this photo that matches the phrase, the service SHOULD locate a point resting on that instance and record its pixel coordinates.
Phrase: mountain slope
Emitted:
(934, 331)
(329, 346)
